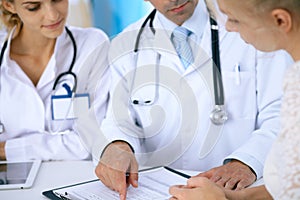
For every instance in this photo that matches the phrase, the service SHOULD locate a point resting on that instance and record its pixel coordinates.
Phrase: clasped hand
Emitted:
(215, 183)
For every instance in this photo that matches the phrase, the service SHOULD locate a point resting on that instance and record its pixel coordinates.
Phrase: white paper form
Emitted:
(153, 185)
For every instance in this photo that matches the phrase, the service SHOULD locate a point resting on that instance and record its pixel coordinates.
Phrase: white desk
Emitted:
(58, 174)
(53, 175)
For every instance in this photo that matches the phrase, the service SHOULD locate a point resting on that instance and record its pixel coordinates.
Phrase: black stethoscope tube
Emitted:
(69, 72)
(2, 52)
(217, 75)
(218, 115)
(151, 18)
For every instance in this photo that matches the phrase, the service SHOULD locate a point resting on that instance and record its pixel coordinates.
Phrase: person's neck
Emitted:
(32, 44)
(295, 53)
(293, 45)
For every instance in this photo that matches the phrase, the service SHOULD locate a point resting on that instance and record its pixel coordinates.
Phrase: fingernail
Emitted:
(136, 182)
(122, 197)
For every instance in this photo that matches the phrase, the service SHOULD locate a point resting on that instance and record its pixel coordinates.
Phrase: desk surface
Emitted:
(58, 174)
(52, 175)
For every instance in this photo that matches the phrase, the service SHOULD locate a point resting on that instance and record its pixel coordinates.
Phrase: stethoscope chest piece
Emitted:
(218, 115)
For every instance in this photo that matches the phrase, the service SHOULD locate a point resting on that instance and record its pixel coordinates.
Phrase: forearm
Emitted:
(45, 146)
(2, 151)
(254, 193)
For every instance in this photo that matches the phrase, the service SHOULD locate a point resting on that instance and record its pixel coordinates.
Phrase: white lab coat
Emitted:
(25, 109)
(173, 130)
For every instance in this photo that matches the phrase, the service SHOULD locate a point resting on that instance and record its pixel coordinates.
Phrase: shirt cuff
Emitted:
(15, 149)
(251, 162)
(114, 142)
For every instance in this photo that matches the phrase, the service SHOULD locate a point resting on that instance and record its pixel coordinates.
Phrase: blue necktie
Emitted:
(180, 41)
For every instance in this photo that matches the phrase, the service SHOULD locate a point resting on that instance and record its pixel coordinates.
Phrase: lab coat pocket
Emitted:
(240, 94)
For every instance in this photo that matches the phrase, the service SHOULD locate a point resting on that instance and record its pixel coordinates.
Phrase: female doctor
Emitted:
(46, 70)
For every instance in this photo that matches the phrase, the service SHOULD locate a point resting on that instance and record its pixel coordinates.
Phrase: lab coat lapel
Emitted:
(204, 53)
(13, 69)
(214, 131)
(206, 40)
(164, 46)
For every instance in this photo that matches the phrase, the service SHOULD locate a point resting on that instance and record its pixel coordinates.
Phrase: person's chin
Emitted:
(265, 48)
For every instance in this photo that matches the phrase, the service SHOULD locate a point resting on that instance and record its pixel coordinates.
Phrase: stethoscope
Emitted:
(59, 77)
(218, 115)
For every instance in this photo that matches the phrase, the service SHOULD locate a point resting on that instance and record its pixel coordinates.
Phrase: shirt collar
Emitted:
(6, 57)
(196, 23)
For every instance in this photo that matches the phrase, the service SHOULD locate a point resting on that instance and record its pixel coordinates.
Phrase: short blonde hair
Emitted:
(292, 6)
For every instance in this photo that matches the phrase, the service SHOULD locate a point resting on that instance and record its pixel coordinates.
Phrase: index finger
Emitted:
(118, 181)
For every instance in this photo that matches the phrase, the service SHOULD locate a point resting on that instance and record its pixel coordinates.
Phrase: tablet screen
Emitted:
(18, 174)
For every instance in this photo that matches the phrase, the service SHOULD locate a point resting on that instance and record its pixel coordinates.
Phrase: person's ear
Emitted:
(9, 6)
(282, 19)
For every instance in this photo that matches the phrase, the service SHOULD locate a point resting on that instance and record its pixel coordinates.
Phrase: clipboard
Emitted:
(51, 195)
(175, 177)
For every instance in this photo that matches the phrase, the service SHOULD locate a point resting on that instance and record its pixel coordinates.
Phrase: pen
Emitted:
(64, 196)
(237, 73)
(68, 196)
(177, 172)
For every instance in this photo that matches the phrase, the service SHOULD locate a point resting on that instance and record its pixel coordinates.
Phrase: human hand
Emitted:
(233, 175)
(117, 160)
(197, 188)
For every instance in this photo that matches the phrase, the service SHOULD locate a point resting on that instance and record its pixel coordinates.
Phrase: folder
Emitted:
(154, 183)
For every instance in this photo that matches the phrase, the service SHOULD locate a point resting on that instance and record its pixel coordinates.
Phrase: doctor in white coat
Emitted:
(159, 113)
(39, 48)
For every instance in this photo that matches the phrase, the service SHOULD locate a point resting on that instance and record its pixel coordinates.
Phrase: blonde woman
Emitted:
(45, 69)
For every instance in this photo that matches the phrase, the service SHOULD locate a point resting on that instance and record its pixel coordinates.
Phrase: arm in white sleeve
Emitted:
(45, 146)
(121, 122)
(88, 124)
(270, 71)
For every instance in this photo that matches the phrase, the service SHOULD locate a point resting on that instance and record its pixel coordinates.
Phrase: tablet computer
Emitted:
(18, 174)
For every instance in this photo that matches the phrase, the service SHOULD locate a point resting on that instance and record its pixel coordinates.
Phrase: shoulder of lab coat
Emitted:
(121, 46)
(91, 35)
(88, 125)
(92, 45)
(124, 42)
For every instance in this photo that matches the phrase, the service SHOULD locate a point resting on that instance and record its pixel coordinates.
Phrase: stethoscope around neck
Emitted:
(218, 115)
(59, 77)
